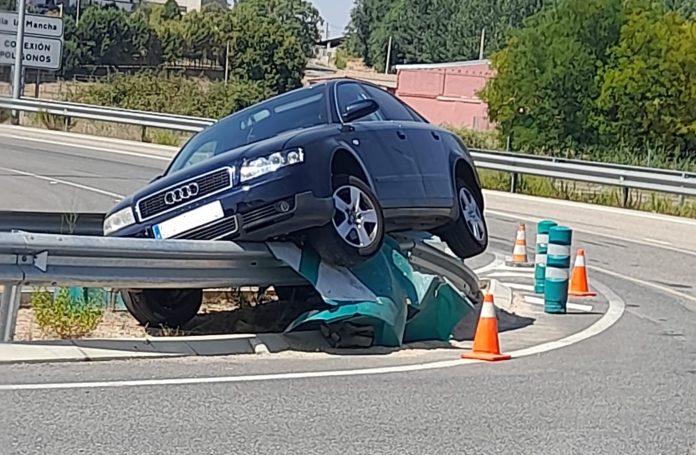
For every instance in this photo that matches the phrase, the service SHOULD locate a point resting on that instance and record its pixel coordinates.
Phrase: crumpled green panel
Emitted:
(402, 305)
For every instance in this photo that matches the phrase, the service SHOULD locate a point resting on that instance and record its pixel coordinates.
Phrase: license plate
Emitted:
(190, 220)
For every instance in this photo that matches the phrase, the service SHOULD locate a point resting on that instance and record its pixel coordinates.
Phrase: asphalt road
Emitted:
(630, 389)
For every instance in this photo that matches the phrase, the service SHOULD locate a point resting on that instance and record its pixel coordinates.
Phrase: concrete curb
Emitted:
(98, 349)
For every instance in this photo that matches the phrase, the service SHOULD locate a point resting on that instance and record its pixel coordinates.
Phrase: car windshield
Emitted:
(302, 108)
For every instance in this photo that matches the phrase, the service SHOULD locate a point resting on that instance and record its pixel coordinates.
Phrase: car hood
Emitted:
(233, 157)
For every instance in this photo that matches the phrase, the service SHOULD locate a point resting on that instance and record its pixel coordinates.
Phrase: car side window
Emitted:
(390, 106)
(348, 93)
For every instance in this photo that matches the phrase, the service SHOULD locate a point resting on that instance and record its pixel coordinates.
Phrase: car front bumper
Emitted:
(249, 219)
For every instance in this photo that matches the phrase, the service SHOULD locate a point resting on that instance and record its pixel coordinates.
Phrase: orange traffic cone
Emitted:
(578, 280)
(519, 252)
(486, 345)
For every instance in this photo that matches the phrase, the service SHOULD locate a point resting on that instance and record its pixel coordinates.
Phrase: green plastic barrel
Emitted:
(542, 240)
(557, 270)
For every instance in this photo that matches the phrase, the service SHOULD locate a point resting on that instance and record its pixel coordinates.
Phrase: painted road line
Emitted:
(520, 287)
(665, 289)
(496, 274)
(493, 265)
(600, 208)
(89, 147)
(515, 216)
(573, 306)
(52, 180)
(660, 242)
(615, 311)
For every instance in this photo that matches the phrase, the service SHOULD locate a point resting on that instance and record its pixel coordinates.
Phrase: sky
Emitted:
(336, 13)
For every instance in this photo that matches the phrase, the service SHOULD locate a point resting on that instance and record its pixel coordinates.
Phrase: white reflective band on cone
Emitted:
(519, 249)
(487, 310)
(542, 239)
(558, 250)
(556, 274)
(579, 261)
(540, 259)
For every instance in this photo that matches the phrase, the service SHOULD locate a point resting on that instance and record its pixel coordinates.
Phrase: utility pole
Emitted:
(227, 62)
(483, 38)
(327, 30)
(386, 67)
(77, 18)
(19, 47)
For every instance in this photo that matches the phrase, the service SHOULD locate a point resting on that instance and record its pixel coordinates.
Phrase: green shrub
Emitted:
(64, 316)
(489, 140)
(160, 92)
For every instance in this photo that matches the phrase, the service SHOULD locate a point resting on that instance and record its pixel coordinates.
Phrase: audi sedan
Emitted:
(332, 166)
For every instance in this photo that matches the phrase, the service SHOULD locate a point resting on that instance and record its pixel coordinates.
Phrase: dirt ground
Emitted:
(221, 313)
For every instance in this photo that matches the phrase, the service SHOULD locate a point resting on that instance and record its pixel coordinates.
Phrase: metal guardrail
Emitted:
(649, 179)
(106, 114)
(32, 259)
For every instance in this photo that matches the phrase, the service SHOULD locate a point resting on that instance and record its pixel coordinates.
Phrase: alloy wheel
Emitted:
(355, 217)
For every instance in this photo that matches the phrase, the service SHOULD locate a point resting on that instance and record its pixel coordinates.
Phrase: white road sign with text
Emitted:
(34, 24)
(43, 53)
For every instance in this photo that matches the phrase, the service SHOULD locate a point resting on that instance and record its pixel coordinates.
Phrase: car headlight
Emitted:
(270, 163)
(119, 220)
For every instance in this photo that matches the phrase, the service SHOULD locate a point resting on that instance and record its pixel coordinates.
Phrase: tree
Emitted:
(299, 17)
(365, 17)
(110, 36)
(171, 11)
(546, 83)
(648, 89)
(263, 50)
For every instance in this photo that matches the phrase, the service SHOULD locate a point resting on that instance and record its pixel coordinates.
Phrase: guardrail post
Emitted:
(625, 193)
(557, 270)
(513, 182)
(542, 240)
(9, 307)
(681, 196)
(143, 133)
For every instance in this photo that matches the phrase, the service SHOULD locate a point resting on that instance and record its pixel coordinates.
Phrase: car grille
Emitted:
(265, 214)
(222, 228)
(207, 184)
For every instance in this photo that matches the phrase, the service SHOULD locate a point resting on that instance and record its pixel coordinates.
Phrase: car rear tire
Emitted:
(356, 230)
(468, 235)
(169, 307)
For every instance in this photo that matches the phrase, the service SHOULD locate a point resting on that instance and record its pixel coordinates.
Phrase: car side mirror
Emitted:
(359, 109)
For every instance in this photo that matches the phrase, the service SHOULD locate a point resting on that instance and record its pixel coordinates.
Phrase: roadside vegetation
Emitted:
(64, 316)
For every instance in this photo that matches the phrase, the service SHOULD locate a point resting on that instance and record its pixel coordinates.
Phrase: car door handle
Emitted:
(435, 135)
(401, 135)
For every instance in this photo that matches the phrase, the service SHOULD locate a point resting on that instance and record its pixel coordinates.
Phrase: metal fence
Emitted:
(627, 177)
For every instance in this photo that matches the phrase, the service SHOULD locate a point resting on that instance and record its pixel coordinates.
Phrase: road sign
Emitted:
(43, 53)
(34, 24)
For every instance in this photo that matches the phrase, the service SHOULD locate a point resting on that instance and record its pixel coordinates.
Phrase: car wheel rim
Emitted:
(355, 217)
(472, 214)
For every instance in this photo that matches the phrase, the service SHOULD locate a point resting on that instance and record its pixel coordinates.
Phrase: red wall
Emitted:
(447, 94)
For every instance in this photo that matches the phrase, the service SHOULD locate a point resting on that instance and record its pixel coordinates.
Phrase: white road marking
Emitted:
(613, 314)
(660, 242)
(52, 181)
(493, 265)
(600, 234)
(573, 306)
(497, 274)
(520, 287)
(600, 208)
(89, 147)
(645, 283)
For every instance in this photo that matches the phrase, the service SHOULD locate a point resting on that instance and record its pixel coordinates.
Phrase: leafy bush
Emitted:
(150, 91)
(64, 316)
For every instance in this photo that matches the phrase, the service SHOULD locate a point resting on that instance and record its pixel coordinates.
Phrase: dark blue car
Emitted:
(334, 165)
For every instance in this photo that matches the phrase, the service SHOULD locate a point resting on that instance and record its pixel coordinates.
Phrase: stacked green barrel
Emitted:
(542, 241)
(557, 269)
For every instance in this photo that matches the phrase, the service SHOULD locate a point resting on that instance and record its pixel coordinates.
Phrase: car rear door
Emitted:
(384, 147)
(427, 146)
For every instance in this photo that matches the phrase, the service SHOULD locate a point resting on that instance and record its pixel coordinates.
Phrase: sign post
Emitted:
(29, 41)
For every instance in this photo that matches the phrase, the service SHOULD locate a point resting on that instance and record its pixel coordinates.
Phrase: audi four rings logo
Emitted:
(181, 194)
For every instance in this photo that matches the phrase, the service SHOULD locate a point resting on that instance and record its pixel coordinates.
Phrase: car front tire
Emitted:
(356, 230)
(168, 307)
(468, 235)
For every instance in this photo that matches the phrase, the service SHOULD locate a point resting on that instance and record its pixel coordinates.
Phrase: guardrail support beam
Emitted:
(9, 308)
(514, 177)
